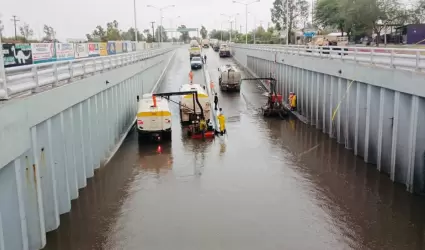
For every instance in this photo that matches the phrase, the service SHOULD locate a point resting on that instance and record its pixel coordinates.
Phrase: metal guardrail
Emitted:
(38, 77)
(401, 58)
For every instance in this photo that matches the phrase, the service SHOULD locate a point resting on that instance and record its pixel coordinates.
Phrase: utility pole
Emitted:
(240, 29)
(231, 24)
(153, 32)
(287, 22)
(14, 20)
(135, 22)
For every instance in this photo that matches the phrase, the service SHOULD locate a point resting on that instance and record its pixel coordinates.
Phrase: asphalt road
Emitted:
(269, 184)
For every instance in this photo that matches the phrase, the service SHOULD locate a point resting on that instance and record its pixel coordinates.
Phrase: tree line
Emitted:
(26, 34)
(365, 17)
(355, 18)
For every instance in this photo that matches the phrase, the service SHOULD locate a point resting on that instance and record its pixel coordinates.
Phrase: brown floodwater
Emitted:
(268, 184)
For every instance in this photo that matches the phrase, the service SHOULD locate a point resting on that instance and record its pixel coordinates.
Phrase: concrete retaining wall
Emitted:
(53, 141)
(379, 113)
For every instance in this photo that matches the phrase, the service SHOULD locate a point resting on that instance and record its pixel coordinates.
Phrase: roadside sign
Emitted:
(186, 29)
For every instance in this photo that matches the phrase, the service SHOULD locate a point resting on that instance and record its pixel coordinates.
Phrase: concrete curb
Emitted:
(211, 93)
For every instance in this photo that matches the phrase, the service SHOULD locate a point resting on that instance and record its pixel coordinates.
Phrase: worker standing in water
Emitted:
(202, 126)
(290, 99)
(294, 102)
(215, 101)
(191, 76)
(222, 123)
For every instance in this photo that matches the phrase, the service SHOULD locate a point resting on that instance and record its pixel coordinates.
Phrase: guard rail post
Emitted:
(3, 84)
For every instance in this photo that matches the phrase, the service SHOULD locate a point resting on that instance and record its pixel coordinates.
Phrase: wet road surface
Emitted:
(269, 184)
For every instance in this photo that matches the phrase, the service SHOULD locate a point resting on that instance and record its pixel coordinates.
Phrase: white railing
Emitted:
(38, 77)
(401, 58)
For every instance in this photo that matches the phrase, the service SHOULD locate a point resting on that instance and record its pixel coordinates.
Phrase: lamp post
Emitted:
(171, 26)
(135, 22)
(161, 17)
(246, 16)
(231, 23)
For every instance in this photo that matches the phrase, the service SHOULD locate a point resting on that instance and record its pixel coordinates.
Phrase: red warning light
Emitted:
(159, 149)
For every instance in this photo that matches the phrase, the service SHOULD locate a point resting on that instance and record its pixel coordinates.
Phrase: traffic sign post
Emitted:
(186, 29)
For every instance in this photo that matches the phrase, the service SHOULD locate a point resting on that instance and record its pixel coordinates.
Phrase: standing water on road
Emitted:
(267, 184)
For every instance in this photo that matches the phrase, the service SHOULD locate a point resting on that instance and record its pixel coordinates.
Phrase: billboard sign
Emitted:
(94, 49)
(65, 51)
(43, 52)
(103, 49)
(118, 47)
(18, 54)
(186, 29)
(111, 48)
(124, 47)
(81, 50)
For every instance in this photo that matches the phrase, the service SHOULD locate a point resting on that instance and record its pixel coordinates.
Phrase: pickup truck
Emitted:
(224, 51)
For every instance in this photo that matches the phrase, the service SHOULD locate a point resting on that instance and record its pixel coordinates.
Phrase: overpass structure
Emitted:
(61, 121)
(370, 99)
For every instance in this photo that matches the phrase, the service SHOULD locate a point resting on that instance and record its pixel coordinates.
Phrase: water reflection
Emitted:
(363, 205)
(156, 157)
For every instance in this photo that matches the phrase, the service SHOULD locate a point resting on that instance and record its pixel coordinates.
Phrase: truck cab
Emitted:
(224, 50)
(229, 78)
(205, 43)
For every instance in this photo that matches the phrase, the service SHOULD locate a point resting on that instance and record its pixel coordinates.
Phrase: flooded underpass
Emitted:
(269, 184)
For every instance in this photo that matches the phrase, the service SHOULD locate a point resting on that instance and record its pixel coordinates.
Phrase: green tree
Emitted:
(164, 37)
(97, 35)
(379, 14)
(49, 33)
(130, 36)
(184, 35)
(298, 13)
(204, 32)
(26, 32)
(112, 31)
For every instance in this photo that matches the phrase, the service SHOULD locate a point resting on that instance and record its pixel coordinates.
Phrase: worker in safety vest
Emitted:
(291, 94)
(212, 86)
(222, 123)
(191, 76)
(294, 102)
(202, 126)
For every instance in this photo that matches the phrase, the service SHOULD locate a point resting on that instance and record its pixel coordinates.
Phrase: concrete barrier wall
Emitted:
(379, 113)
(53, 141)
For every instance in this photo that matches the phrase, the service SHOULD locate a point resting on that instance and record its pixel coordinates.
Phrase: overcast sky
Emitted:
(73, 19)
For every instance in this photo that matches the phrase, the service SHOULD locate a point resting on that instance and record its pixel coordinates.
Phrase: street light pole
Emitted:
(246, 17)
(287, 22)
(135, 22)
(160, 30)
(231, 24)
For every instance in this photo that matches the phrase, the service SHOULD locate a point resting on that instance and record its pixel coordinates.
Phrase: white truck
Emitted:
(224, 50)
(230, 78)
(195, 49)
(205, 43)
(153, 118)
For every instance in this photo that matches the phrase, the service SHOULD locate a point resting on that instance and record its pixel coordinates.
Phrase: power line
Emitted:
(15, 20)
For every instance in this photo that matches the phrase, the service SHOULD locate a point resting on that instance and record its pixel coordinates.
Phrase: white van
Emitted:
(187, 106)
(154, 120)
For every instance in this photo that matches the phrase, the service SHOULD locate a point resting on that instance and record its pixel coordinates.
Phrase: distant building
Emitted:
(411, 34)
